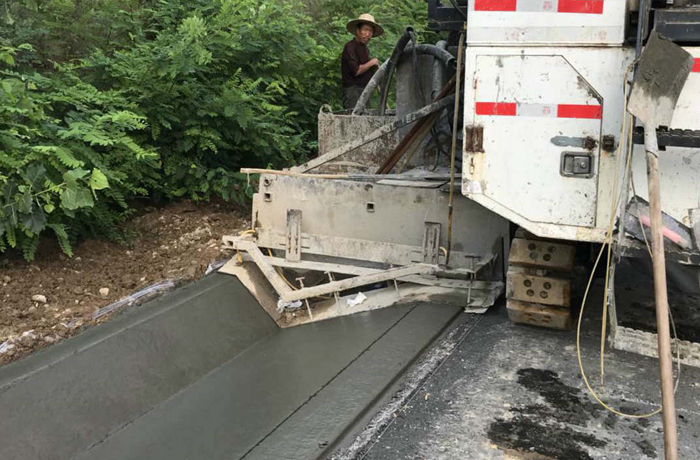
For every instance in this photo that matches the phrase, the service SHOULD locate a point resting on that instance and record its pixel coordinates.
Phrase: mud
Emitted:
(661, 73)
(562, 398)
(546, 428)
(525, 435)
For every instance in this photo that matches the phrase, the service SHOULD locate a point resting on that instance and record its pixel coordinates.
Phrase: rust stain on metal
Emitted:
(608, 143)
(474, 138)
(590, 143)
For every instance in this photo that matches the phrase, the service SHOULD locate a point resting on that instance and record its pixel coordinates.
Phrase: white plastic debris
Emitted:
(104, 292)
(215, 266)
(74, 323)
(138, 297)
(282, 305)
(29, 334)
(357, 300)
(6, 346)
(28, 338)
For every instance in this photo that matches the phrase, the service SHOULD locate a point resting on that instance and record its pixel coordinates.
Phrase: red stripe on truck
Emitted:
(696, 65)
(593, 112)
(496, 108)
(580, 6)
(562, 6)
(495, 5)
(579, 111)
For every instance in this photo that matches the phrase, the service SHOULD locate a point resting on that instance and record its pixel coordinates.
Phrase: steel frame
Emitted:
(419, 273)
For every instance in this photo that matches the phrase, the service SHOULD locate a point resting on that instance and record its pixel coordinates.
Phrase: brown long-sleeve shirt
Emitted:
(355, 54)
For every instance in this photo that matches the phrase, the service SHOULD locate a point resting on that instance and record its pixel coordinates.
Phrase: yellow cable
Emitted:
(578, 351)
(613, 211)
(238, 253)
(639, 219)
(279, 271)
(607, 242)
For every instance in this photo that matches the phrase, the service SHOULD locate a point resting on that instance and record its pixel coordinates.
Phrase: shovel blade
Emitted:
(662, 71)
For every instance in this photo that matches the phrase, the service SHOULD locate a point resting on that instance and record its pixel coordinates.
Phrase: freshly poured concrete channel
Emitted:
(204, 373)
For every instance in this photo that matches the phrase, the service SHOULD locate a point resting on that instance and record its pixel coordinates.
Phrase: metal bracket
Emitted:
(293, 237)
(289, 295)
(431, 243)
(474, 139)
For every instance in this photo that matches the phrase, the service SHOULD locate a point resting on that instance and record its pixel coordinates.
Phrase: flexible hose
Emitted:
(376, 79)
(432, 50)
(407, 35)
(438, 72)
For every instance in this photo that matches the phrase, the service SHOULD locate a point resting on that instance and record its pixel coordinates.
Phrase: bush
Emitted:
(67, 160)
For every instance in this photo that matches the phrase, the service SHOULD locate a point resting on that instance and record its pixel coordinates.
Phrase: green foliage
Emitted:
(104, 101)
(50, 130)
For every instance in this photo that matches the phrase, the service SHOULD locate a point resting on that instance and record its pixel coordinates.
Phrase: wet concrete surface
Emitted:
(514, 392)
(58, 402)
(312, 430)
(205, 374)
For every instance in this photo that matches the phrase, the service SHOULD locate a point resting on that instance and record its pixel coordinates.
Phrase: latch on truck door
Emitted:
(576, 164)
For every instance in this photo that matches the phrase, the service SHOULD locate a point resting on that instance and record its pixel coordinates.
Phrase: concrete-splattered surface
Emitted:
(204, 373)
(514, 392)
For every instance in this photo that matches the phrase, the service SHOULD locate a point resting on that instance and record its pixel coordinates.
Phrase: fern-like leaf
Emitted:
(62, 236)
(64, 155)
(29, 247)
(11, 236)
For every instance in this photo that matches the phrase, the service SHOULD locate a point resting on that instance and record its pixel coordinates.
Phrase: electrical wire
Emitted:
(607, 242)
(280, 273)
(615, 203)
(238, 253)
(670, 314)
(414, 63)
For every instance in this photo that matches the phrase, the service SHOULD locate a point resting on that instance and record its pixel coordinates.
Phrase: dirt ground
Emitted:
(55, 297)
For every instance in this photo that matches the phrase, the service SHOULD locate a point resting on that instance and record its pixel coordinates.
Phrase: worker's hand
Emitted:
(374, 62)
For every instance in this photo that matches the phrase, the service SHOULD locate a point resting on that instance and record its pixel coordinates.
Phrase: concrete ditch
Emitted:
(205, 373)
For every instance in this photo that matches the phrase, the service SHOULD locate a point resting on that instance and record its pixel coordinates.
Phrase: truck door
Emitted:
(536, 153)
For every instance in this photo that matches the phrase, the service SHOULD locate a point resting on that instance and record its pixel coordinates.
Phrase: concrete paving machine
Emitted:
(546, 160)
(502, 161)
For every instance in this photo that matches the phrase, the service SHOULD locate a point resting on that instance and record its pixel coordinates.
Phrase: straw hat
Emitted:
(365, 19)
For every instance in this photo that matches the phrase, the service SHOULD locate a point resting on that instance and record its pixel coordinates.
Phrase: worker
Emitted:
(357, 67)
